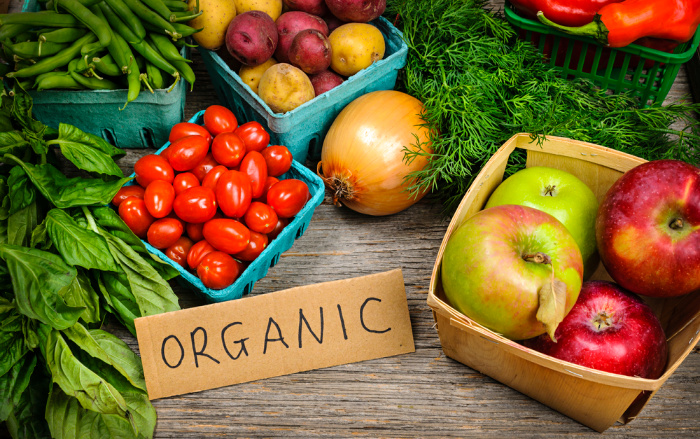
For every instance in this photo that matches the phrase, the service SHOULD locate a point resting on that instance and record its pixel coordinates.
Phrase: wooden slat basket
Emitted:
(594, 398)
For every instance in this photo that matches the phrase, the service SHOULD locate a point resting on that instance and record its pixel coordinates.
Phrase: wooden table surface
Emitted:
(422, 394)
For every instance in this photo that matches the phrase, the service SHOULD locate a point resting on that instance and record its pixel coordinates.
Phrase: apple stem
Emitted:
(549, 191)
(602, 320)
(676, 224)
(538, 258)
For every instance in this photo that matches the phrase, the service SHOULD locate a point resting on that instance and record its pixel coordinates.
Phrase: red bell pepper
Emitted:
(565, 12)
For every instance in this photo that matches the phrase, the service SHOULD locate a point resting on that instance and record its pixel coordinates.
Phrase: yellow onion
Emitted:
(362, 160)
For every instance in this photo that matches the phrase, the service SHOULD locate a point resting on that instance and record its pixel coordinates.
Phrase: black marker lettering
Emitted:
(162, 352)
(342, 322)
(267, 333)
(362, 317)
(303, 318)
(204, 346)
(241, 341)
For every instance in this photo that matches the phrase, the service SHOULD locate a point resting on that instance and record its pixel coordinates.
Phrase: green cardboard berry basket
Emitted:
(644, 72)
(303, 129)
(143, 123)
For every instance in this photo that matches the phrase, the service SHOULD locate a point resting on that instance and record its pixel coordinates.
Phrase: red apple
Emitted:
(609, 329)
(499, 266)
(648, 229)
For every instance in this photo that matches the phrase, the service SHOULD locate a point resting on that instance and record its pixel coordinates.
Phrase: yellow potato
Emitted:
(273, 8)
(355, 47)
(214, 20)
(251, 75)
(284, 87)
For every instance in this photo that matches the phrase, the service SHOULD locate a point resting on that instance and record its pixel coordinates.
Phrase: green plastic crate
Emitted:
(645, 73)
(144, 123)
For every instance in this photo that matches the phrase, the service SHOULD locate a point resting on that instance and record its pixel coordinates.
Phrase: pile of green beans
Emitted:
(99, 45)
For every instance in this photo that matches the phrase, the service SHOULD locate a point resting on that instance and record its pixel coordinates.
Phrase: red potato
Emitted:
(251, 38)
(324, 81)
(333, 22)
(315, 7)
(358, 11)
(289, 24)
(310, 51)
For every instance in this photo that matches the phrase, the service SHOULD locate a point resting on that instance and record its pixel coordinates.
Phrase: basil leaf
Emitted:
(108, 219)
(12, 142)
(77, 245)
(40, 239)
(120, 301)
(80, 293)
(5, 199)
(85, 152)
(27, 417)
(64, 192)
(21, 192)
(11, 340)
(109, 349)
(13, 384)
(21, 224)
(38, 278)
(91, 140)
(22, 113)
(91, 390)
(151, 292)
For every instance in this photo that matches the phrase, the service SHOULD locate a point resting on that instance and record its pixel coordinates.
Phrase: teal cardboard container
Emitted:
(302, 130)
(144, 123)
(257, 269)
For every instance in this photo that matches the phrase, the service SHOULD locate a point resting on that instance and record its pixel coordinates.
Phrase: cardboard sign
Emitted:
(275, 334)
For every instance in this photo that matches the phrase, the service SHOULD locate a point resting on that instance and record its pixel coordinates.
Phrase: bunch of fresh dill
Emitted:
(480, 85)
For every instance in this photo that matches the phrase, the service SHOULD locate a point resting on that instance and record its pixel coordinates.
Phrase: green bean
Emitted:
(65, 35)
(176, 5)
(128, 17)
(182, 30)
(159, 7)
(89, 3)
(24, 36)
(117, 47)
(106, 65)
(118, 26)
(60, 80)
(12, 30)
(151, 17)
(90, 20)
(94, 83)
(36, 49)
(155, 76)
(180, 17)
(166, 48)
(151, 55)
(59, 60)
(186, 72)
(41, 18)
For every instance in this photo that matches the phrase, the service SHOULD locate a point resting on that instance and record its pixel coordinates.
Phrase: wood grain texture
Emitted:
(424, 394)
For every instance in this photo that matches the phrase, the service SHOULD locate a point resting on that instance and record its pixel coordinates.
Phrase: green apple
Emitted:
(561, 195)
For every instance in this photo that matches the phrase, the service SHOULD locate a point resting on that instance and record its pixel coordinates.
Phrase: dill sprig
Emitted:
(480, 85)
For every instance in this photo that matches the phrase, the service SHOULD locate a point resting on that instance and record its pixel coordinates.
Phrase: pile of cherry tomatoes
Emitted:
(212, 200)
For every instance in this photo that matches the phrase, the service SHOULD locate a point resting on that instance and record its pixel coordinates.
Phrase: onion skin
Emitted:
(362, 160)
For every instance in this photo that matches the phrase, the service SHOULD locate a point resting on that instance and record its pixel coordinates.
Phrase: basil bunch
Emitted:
(66, 262)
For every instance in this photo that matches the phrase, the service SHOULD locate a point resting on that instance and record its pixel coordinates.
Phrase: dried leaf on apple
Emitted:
(552, 309)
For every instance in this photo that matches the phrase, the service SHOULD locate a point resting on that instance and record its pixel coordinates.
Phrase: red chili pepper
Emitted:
(564, 12)
(620, 24)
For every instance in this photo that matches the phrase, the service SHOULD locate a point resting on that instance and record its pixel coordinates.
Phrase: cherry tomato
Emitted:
(228, 149)
(159, 197)
(187, 152)
(269, 181)
(226, 235)
(197, 252)
(178, 251)
(164, 232)
(195, 205)
(287, 197)
(253, 165)
(258, 242)
(219, 119)
(218, 270)
(194, 231)
(233, 193)
(184, 129)
(200, 171)
(153, 167)
(184, 180)
(278, 159)
(253, 135)
(135, 215)
(133, 190)
(260, 217)
(281, 224)
(213, 176)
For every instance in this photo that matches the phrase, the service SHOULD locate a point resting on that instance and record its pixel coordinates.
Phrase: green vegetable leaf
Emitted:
(77, 245)
(11, 338)
(13, 384)
(120, 300)
(80, 293)
(109, 349)
(12, 142)
(38, 278)
(26, 420)
(91, 390)
(4, 199)
(86, 152)
(21, 192)
(21, 224)
(552, 305)
(64, 192)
